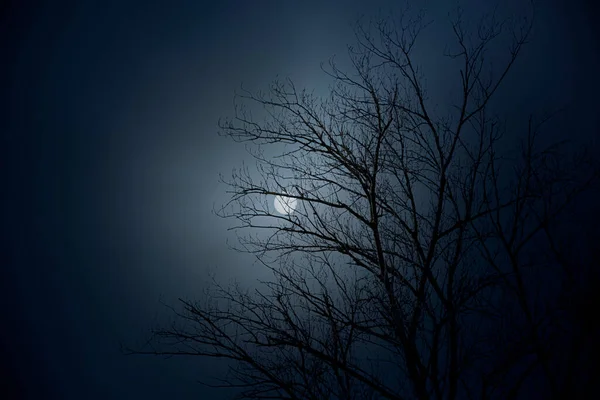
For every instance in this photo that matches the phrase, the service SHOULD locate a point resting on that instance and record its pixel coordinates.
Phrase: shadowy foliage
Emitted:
(423, 259)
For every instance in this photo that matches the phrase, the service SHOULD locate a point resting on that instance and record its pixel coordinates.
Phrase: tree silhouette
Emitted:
(410, 266)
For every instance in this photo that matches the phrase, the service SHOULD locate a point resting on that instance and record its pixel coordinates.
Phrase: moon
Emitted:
(285, 205)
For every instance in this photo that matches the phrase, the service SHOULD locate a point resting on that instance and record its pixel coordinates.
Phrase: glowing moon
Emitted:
(285, 205)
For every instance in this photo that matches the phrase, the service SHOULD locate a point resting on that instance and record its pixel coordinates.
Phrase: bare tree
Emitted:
(409, 266)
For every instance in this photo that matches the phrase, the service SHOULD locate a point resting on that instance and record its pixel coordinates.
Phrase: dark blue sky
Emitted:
(110, 161)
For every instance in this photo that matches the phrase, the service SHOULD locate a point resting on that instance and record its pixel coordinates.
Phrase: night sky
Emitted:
(110, 161)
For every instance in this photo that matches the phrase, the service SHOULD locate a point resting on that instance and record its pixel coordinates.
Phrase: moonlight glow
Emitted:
(284, 205)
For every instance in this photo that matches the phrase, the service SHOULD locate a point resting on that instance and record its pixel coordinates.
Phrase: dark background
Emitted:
(110, 160)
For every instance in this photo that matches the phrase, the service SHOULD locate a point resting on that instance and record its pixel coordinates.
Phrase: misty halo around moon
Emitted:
(284, 205)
